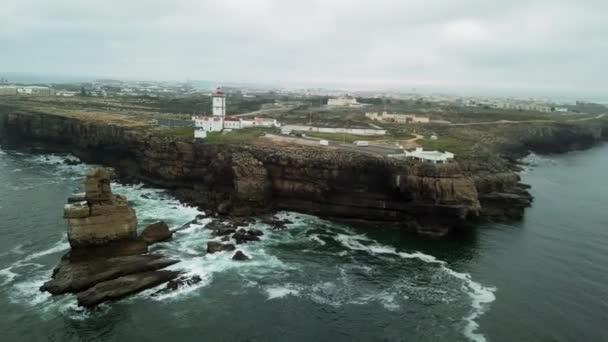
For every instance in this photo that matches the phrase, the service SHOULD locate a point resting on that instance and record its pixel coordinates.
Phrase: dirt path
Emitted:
(524, 121)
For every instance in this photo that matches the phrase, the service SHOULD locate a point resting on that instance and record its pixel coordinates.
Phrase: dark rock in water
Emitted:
(213, 247)
(221, 228)
(225, 231)
(277, 224)
(255, 232)
(121, 287)
(201, 216)
(240, 256)
(225, 238)
(68, 161)
(183, 281)
(156, 232)
(145, 196)
(76, 276)
(242, 236)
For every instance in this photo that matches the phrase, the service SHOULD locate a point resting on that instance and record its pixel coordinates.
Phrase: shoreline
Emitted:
(243, 180)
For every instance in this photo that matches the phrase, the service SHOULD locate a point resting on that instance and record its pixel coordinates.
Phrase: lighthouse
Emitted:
(219, 103)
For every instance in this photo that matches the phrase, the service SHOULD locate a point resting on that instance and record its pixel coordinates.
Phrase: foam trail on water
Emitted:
(480, 295)
(282, 291)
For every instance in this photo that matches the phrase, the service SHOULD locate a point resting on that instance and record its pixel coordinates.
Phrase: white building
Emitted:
(343, 101)
(431, 156)
(398, 118)
(215, 123)
(219, 122)
(232, 123)
(208, 123)
(259, 122)
(66, 93)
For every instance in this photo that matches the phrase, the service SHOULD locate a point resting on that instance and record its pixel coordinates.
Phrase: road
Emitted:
(308, 141)
(524, 121)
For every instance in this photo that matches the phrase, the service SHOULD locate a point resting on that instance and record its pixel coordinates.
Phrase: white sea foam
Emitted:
(481, 296)
(282, 291)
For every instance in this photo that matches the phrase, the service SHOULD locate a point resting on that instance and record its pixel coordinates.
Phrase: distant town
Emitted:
(422, 127)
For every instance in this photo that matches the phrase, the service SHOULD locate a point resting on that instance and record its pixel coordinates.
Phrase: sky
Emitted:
(541, 46)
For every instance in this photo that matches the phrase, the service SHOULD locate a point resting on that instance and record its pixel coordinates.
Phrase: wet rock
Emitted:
(145, 196)
(76, 276)
(68, 161)
(225, 238)
(243, 236)
(123, 286)
(214, 247)
(156, 232)
(183, 281)
(240, 256)
(277, 224)
(255, 232)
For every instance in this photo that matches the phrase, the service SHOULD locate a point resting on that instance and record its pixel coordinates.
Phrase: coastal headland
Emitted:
(258, 176)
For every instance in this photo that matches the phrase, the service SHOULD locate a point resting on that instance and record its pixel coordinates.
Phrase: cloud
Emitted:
(466, 44)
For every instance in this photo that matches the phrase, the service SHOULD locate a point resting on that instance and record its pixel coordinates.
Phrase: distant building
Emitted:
(219, 121)
(35, 90)
(397, 118)
(259, 122)
(343, 101)
(66, 93)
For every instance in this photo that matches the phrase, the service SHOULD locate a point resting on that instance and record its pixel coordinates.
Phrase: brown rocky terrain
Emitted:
(246, 179)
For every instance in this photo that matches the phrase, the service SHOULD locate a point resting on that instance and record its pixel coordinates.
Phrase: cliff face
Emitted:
(250, 179)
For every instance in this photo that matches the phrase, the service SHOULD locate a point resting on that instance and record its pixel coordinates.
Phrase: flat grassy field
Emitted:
(448, 144)
(339, 137)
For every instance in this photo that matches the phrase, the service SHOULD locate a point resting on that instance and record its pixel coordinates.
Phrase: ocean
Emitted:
(542, 278)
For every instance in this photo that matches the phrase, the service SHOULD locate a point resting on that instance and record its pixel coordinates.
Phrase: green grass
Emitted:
(180, 133)
(237, 136)
(343, 137)
(446, 144)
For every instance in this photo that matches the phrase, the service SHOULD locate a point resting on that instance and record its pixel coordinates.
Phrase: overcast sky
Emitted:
(551, 46)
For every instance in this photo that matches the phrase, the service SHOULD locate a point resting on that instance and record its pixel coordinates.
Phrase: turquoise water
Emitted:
(540, 279)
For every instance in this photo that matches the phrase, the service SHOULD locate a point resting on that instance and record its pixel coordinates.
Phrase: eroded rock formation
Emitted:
(106, 261)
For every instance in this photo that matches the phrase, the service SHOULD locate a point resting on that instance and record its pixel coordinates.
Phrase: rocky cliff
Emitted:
(255, 178)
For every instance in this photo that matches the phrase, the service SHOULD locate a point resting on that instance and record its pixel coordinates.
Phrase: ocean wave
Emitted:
(481, 296)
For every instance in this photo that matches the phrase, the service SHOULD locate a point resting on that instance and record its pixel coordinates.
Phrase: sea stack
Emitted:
(101, 217)
(107, 260)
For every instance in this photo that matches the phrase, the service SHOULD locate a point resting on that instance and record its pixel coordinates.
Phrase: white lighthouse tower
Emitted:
(219, 103)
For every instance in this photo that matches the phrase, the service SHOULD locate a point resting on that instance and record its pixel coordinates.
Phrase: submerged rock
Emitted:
(156, 232)
(214, 247)
(121, 287)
